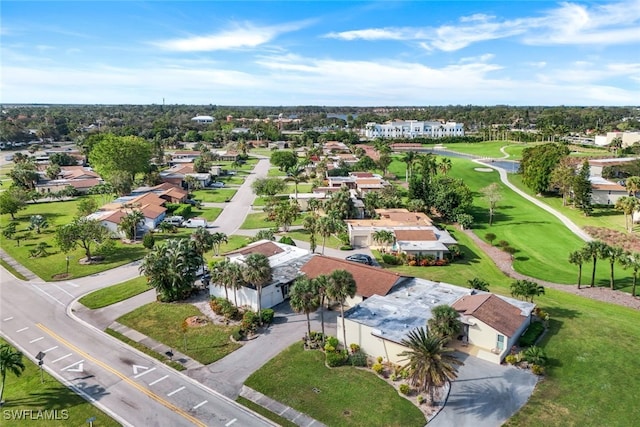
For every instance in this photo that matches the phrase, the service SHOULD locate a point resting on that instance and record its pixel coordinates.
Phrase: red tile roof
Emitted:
(415, 235)
(492, 310)
(267, 249)
(369, 280)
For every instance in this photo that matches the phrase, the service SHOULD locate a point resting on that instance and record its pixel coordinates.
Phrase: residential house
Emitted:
(361, 230)
(150, 204)
(184, 156)
(228, 155)
(334, 147)
(177, 175)
(429, 241)
(166, 191)
(369, 280)
(81, 178)
(285, 262)
(491, 324)
(605, 192)
(203, 119)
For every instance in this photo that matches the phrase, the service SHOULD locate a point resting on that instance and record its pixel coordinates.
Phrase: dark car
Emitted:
(361, 258)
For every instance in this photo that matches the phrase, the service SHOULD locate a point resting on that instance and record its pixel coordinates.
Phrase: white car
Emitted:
(217, 184)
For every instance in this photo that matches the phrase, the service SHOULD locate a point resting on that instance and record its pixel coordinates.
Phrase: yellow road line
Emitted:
(103, 365)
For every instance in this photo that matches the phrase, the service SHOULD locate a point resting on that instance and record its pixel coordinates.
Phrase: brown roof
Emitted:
(361, 174)
(492, 310)
(608, 187)
(146, 199)
(152, 211)
(415, 235)
(267, 249)
(369, 280)
(114, 217)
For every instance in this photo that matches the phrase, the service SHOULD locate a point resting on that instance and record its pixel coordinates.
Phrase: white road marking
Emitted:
(73, 284)
(63, 357)
(64, 290)
(231, 422)
(144, 373)
(138, 368)
(200, 404)
(50, 349)
(80, 368)
(36, 340)
(176, 391)
(79, 362)
(49, 295)
(6, 319)
(158, 380)
(23, 329)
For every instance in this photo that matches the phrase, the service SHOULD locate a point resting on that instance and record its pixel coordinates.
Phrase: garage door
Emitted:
(360, 241)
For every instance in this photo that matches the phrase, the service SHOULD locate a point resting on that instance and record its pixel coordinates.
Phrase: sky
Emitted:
(357, 53)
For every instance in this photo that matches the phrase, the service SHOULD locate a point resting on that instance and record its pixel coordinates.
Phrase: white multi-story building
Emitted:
(413, 129)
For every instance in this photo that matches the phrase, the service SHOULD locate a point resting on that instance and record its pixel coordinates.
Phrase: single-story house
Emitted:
(369, 280)
(285, 262)
(605, 192)
(177, 174)
(430, 241)
(153, 215)
(491, 324)
(361, 230)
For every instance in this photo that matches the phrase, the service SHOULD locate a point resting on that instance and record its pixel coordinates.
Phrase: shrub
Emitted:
(354, 347)
(358, 359)
(503, 243)
(332, 341)
(249, 320)
(390, 259)
(537, 369)
(238, 335)
(328, 348)
(420, 399)
(183, 210)
(531, 335)
(535, 355)
(346, 248)
(171, 207)
(267, 315)
(287, 241)
(378, 368)
(412, 263)
(148, 240)
(490, 237)
(336, 358)
(393, 377)
(404, 374)
(404, 388)
(511, 359)
(379, 359)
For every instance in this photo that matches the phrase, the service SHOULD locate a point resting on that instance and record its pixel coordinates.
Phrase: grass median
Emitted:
(116, 293)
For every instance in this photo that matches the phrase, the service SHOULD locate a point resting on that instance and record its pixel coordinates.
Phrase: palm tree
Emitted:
(341, 285)
(220, 275)
(614, 253)
(171, 268)
(627, 205)
(322, 283)
(304, 298)
(296, 175)
(577, 258)
(479, 284)
(326, 226)
(631, 260)
(409, 158)
(10, 361)
(218, 238)
(526, 289)
(257, 272)
(310, 223)
(38, 222)
(595, 250)
(445, 321)
(385, 237)
(129, 224)
(203, 241)
(633, 185)
(445, 165)
(430, 363)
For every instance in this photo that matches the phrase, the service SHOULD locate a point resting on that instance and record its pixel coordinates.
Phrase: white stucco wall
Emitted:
(271, 296)
(372, 345)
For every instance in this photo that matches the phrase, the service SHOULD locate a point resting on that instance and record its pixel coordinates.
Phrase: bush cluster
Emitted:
(404, 388)
(183, 210)
(171, 207)
(287, 241)
(391, 259)
(148, 241)
(224, 308)
(531, 335)
(358, 359)
(336, 358)
(378, 368)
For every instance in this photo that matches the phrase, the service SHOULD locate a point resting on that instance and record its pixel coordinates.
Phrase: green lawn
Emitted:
(262, 200)
(210, 214)
(265, 412)
(237, 179)
(332, 241)
(259, 220)
(302, 188)
(348, 396)
(27, 393)
(218, 195)
(116, 293)
(163, 322)
(12, 270)
(274, 171)
(483, 149)
(267, 152)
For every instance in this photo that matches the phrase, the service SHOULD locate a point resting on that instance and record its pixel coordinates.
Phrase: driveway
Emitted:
(484, 394)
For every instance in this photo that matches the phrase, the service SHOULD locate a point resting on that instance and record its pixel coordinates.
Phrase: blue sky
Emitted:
(321, 52)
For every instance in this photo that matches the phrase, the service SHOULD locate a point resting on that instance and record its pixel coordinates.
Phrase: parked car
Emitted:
(174, 220)
(195, 223)
(192, 202)
(217, 184)
(361, 258)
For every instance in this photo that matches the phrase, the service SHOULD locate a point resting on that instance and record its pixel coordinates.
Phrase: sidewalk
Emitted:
(284, 411)
(28, 274)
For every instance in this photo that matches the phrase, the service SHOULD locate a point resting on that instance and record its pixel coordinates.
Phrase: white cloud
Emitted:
(375, 34)
(241, 36)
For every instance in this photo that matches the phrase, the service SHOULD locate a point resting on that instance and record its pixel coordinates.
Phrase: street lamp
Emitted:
(67, 258)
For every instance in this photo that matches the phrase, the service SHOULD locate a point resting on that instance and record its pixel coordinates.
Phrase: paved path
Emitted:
(284, 411)
(28, 274)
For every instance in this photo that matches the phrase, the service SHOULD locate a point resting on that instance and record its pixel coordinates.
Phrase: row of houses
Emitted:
(413, 129)
(387, 305)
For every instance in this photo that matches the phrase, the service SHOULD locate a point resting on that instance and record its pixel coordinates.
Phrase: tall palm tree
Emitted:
(203, 241)
(10, 361)
(384, 237)
(341, 285)
(430, 363)
(310, 223)
(220, 276)
(594, 250)
(614, 253)
(409, 158)
(236, 280)
(633, 185)
(627, 204)
(218, 238)
(577, 258)
(326, 226)
(257, 272)
(304, 298)
(322, 283)
(129, 223)
(631, 260)
(296, 175)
